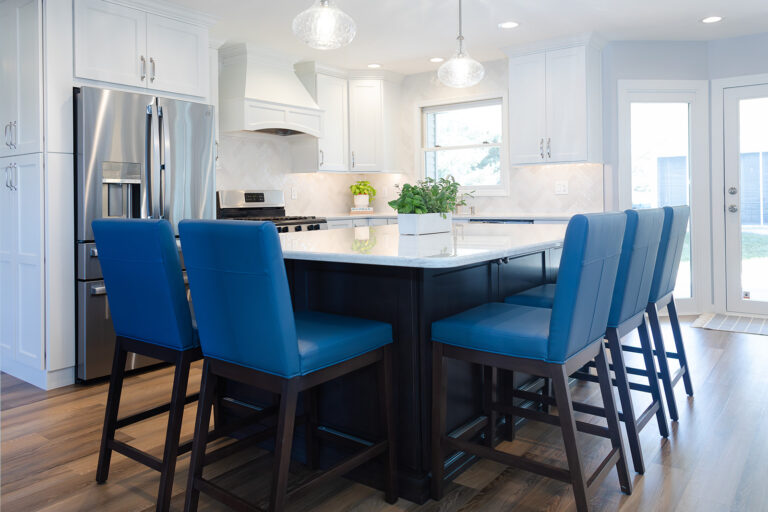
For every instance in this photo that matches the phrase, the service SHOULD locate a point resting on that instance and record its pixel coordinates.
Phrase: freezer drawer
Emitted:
(96, 336)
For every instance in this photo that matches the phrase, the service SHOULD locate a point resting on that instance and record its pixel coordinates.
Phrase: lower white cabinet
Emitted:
(378, 222)
(22, 339)
(338, 224)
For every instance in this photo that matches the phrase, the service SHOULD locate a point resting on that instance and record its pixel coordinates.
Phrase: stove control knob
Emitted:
(310, 227)
(284, 229)
(297, 228)
(317, 226)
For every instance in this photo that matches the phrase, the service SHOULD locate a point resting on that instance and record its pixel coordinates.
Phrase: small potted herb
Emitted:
(427, 206)
(363, 192)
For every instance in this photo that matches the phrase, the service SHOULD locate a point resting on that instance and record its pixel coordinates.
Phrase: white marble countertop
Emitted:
(383, 245)
(499, 216)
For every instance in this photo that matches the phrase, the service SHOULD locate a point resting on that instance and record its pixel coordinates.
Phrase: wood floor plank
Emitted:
(716, 457)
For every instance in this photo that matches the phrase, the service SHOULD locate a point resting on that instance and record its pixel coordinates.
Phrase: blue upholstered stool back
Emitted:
(241, 296)
(636, 265)
(145, 286)
(670, 251)
(585, 282)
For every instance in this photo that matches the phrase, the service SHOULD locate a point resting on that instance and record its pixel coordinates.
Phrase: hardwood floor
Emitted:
(716, 457)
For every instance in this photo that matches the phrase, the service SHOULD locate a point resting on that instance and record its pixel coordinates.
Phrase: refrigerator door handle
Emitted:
(146, 206)
(165, 149)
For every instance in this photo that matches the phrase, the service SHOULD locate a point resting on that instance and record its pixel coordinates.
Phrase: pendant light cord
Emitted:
(461, 36)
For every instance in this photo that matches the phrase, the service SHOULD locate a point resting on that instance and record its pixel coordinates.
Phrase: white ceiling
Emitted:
(402, 35)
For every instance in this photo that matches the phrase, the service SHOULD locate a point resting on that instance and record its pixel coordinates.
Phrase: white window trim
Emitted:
(497, 190)
(696, 93)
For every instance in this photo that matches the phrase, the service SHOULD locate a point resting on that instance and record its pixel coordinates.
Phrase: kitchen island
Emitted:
(409, 282)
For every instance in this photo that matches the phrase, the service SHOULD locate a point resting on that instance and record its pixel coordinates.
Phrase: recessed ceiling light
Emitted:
(712, 19)
(509, 24)
(374, 66)
(436, 59)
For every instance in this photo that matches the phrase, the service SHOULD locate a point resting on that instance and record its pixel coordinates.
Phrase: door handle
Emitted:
(732, 208)
(98, 290)
(152, 63)
(14, 131)
(14, 177)
(549, 147)
(733, 191)
(165, 150)
(7, 135)
(8, 177)
(322, 158)
(353, 159)
(541, 148)
(143, 68)
(94, 252)
(148, 158)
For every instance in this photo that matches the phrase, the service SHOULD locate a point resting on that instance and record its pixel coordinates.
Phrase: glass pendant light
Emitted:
(324, 26)
(461, 70)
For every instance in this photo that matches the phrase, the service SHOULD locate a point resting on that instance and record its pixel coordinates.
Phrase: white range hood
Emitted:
(260, 92)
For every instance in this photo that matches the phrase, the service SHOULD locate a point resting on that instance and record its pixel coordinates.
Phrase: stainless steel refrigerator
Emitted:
(136, 156)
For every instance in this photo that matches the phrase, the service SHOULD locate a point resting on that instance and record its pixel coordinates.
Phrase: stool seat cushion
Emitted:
(538, 297)
(506, 329)
(326, 339)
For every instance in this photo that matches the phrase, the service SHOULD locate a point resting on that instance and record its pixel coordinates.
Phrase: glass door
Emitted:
(746, 198)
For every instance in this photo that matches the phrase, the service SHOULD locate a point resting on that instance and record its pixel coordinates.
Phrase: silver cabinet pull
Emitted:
(322, 158)
(143, 68)
(14, 134)
(549, 147)
(14, 177)
(8, 177)
(7, 135)
(152, 63)
(353, 159)
(541, 148)
(94, 252)
(98, 290)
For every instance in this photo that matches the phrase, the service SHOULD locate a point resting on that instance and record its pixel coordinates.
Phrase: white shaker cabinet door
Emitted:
(527, 109)
(110, 43)
(20, 77)
(566, 105)
(334, 144)
(177, 56)
(7, 263)
(365, 125)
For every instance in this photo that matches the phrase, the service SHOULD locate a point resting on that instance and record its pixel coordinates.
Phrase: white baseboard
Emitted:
(43, 379)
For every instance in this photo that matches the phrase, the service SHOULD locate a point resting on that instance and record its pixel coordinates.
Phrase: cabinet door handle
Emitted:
(541, 148)
(8, 177)
(7, 135)
(152, 63)
(143, 68)
(353, 159)
(322, 158)
(549, 147)
(14, 177)
(14, 134)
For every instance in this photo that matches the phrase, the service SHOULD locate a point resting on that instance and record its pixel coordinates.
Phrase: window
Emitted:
(464, 140)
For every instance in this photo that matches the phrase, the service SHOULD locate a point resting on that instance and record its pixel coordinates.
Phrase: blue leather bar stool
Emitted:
(552, 343)
(664, 277)
(250, 334)
(633, 285)
(151, 317)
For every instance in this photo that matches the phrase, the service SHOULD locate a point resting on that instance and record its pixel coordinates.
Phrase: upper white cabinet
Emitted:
(127, 46)
(20, 77)
(359, 112)
(555, 110)
(332, 97)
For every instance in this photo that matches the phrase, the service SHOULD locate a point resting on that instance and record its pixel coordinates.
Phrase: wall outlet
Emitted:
(561, 188)
(294, 194)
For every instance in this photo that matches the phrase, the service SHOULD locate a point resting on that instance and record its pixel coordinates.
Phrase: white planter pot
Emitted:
(361, 200)
(423, 224)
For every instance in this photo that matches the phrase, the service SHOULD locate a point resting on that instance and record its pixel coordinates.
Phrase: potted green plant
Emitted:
(427, 206)
(363, 192)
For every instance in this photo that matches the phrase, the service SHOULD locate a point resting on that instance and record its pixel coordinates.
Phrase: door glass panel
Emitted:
(753, 173)
(660, 160)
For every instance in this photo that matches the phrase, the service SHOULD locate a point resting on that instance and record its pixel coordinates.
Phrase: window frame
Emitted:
(456, 103)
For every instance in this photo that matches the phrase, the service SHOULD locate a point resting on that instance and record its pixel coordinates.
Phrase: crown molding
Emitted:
(170, 10)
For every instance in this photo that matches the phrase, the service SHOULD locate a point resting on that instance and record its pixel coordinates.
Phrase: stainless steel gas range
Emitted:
(263, 205)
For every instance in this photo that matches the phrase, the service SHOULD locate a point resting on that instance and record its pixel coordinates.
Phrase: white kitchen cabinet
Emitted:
(20, 77)
(339, 224)
(128, 46)
(365, 125)
(392, 221)
(332, 97)
(22, 340)
(378, 222)
(177, 56)
(555, 109)
(359, 223)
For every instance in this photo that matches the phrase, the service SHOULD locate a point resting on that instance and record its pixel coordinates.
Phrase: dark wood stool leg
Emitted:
(507, 377)
(612, 417)
(568, 425)
(110, 415)
(439, 390)
(285, 423)
(311, 413)
(207, 392)
(681, 357)
(546, 391)
(489, 397)
(173, 431)
(628, 411)
(661, 355)
(653, 380)
(387, 407)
